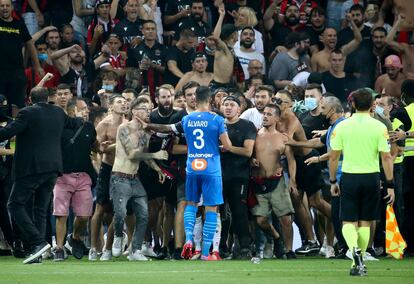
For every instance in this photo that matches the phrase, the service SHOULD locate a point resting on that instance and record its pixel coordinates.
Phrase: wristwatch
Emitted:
(407, 133)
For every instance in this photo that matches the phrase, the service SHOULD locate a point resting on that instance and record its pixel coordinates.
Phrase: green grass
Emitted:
(303, 270)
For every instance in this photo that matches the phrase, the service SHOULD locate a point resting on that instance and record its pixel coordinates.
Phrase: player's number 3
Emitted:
(199, 143)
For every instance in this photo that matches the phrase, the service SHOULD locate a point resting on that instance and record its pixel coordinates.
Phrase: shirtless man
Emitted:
(403, 7)
(225, 38)
(405, 49)
(106, 135)
(390, 83)
(199, 74)
(320, 60)
(308, 178)
(131, 148)
(267, 178)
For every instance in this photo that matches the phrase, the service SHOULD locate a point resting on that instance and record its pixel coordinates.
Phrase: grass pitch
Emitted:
(303, 270)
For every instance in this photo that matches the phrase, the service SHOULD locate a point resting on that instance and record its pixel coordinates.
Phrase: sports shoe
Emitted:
(369, 257)
(163, 254)
(358, 261)
(309, 247)
(245, 254)
(106, 255)
(187, 252)
(329, 252)
(47, 254)
(196, 255)
(93, 255)
(58, 254)
(356, 271)
(215, 255)
(279, 249)
(147, 250)
(268, 250)
(18, 250)
(37, 253)
(341, 254)
(78, 247)
(117, 246)
(137, 255)
(177, 254)
(290, 255)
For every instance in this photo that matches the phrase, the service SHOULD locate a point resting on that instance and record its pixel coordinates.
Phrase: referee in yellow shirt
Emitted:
(360, 139)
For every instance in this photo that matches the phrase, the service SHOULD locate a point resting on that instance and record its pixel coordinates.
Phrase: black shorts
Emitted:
(360, 197)
(177, 193)
(309, 178)
(102, 185)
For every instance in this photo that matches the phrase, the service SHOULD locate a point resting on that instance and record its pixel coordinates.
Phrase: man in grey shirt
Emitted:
(286, 65)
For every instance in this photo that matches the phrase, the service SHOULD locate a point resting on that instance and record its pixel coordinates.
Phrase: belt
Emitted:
(124, 175)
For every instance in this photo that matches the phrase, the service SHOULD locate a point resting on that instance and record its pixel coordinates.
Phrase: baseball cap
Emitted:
(232, 98)
(198, 55)
(227, 30)
(393, 61)
(102, 2)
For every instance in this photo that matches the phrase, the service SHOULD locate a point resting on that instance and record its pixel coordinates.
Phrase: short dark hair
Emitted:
(63, 86)
(314, 86)
(203, 94)
(362, 99)
(318, 10)
(130, 90)
(178, 95)
(113, 97)
(379, 29)
(39, 95)
(357, 7)
(275, 108)
(197, 1)
(157, 91)
(287, 93)
(149, 22)
(295, 37)
(109, 75)
(189, 85)
(187, 34)
(137, 102)
(268, 88)
(96, 112)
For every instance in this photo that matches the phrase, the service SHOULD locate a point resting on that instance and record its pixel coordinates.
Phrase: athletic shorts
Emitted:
(73, 190)
(102, 185)
(309, 178)
(360, 197)
(278, 201)
(210, 187)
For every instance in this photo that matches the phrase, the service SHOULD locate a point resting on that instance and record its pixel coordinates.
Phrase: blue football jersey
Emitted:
(202, 131)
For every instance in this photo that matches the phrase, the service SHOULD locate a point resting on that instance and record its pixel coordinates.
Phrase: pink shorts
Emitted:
(74, 190)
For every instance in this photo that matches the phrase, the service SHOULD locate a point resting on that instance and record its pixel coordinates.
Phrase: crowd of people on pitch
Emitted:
(281, 73)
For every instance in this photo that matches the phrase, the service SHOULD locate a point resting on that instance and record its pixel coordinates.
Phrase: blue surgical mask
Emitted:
(379, 110)
(109, 88)
(311, 103)
(42, 57)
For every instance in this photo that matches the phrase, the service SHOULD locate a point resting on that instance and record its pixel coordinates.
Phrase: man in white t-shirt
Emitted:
(261, 98)
(246, 52)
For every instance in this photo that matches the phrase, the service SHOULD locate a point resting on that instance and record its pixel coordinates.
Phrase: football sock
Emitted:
(363, 238)
(208, 231)
(189, 221)
(198, 233)
(217, 234)
(351, 236)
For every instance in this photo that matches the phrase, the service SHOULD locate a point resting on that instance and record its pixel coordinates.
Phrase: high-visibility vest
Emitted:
(409, 142)
(396, 123)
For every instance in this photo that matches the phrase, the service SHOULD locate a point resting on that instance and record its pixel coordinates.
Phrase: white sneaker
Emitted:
(93, 255)
(329, 252)
(369, 257)
(47, 254)
(323, 250)
(117, 246)
(106, 255)
(268, 251)
(137, 255)
(349, 254)
(147, 250)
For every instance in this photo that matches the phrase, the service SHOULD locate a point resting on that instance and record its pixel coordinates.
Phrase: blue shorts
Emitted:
(211, 187)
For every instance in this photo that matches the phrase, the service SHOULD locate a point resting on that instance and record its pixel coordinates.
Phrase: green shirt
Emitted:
(360, 138)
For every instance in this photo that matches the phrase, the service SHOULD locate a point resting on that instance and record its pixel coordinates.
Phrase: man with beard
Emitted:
(320, 60)
(355, 62)
(199, 74)
(279, 31)
(129, 29)
(380, 50)
(149, 57)
(390, 83)
(195, 21)
(261, 99)
(286, 65)
(246, 53)
(75, 71)
(268, 181)
(316, 29)
(179, 57)
(106, 135)
(405, 49)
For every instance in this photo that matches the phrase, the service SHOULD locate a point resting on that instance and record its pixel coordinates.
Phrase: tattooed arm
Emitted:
(136, 152)
(153, 165)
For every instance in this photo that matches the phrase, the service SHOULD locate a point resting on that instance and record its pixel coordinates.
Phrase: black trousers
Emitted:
(35, 189)
(5, 186)
(408, 225)
(235, 193)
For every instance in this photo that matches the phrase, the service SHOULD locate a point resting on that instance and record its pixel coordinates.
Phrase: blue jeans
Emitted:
(126, 191)
(31, 22)
(336, 11)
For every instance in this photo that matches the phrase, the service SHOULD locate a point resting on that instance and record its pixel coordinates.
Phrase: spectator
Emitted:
(151, 11)
(372, 15)
(175, 11)
(32, 12)
(208, 47)
(198, 74)
(246, 52)
(115, 59)
(336, 11)
(195, 22)
(246, 17)
(129, 29)
(316, 29)
(380, 50)
(261, 99)
(67, 35)
(390, 83)
(286, 65)
(83, 10)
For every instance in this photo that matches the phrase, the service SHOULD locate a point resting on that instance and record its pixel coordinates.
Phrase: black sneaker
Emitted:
(18, 250)
(290, 255)
(356, 271)
(245, 254)
(58, 254)
(37, 253)
(177, 254)
(359, 262)
(372, 252)
(279, 249)
(341, 254)
(78, 247)
(309, 247)
(163, 254)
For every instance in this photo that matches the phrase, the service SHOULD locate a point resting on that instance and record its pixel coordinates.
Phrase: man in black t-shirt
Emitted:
(149, 57)
(179, 57)
(195, 22)
(236, 169)
(175, 11)
(13, 36)
(129, 29)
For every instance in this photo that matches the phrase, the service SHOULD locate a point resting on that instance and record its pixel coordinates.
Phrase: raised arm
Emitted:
(353, 44)
(312, 143)
(268, 17)
(114, 9)
(40, 33)
(80, 11)
(219, 24)
(390, 40)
